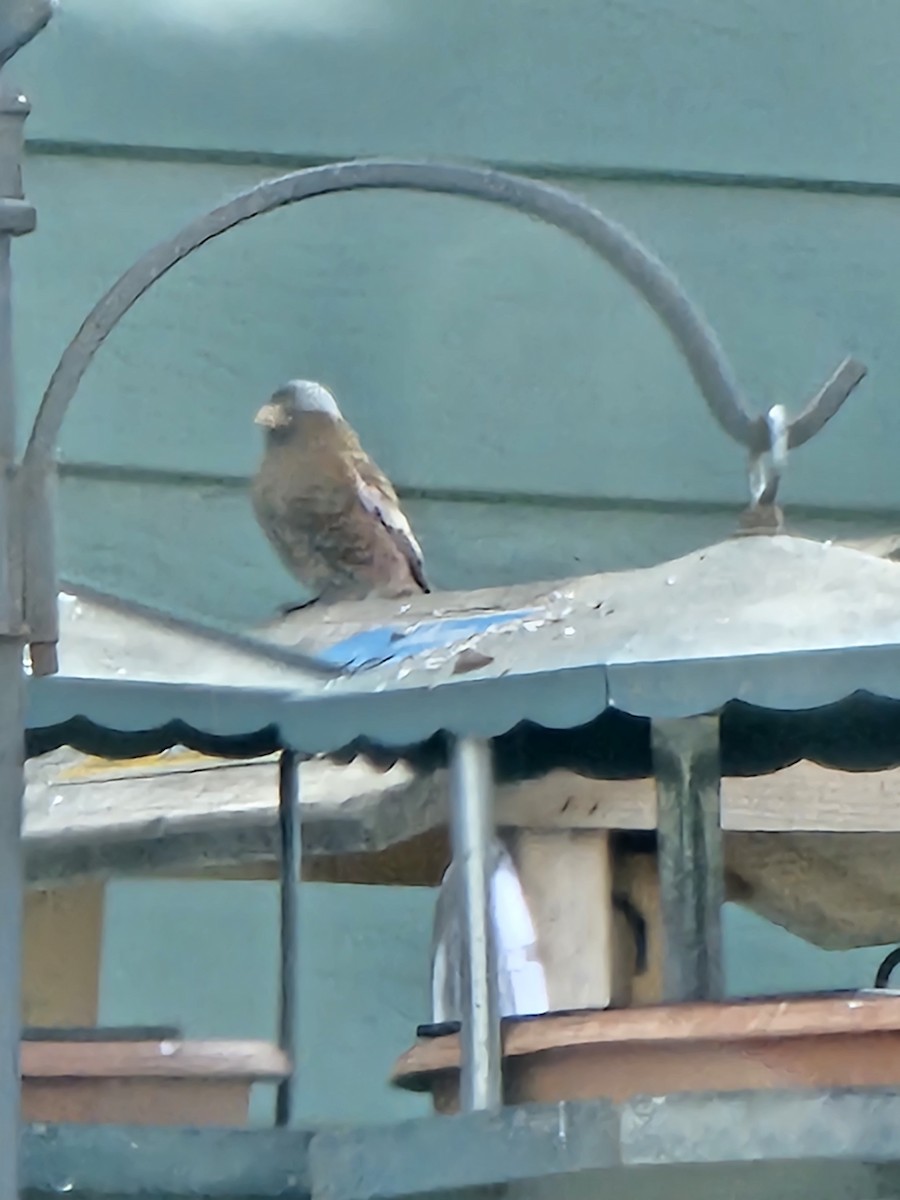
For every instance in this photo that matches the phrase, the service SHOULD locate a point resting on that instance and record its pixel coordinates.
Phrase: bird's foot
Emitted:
(285, 610)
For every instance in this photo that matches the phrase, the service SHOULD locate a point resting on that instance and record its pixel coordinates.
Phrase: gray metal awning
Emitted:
(776, 622)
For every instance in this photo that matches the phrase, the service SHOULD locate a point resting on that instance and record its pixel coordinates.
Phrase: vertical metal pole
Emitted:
(16, 217)
(12, 755)
(691, 865)
(472, 827)
(289, 927)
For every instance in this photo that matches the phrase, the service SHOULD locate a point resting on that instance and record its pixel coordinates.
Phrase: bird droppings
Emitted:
(470, 659)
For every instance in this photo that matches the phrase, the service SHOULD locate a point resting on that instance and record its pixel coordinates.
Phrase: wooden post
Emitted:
(62, 947)
(567, 879)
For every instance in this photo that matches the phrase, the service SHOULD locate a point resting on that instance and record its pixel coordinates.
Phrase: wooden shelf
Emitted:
(850, 1040)
(145, 1083)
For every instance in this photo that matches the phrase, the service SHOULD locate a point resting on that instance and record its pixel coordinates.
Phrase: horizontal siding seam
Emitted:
(47, 147)
(207, 481)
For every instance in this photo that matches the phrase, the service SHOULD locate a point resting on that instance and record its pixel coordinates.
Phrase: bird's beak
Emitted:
(271, 416)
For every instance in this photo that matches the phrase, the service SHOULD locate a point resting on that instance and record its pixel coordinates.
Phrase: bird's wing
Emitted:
(379, 498)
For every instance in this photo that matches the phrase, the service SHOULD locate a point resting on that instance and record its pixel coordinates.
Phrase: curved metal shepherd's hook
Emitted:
(20, 22)
(657, 285)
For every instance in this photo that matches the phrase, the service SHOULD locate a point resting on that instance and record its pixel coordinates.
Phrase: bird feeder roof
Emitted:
(769, 626)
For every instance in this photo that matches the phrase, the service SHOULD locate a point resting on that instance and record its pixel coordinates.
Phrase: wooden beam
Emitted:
(418, 862)
(804, 796)
(812, 849)
(183, 814)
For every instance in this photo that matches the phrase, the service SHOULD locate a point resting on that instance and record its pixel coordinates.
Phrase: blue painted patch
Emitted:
(389, 643)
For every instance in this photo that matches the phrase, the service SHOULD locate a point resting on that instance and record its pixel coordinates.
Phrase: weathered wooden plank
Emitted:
(532, 315)
(658, 84)
(225, 814)
(761, 1019)
(837, 889)
(173, 1060)
(803, 797)
(217, 814)
(91, 818)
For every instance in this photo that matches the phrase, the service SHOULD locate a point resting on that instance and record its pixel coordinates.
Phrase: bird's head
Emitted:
(280, 415)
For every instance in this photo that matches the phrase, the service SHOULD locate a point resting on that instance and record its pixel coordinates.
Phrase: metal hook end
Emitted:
(766, 468)
(886, 968)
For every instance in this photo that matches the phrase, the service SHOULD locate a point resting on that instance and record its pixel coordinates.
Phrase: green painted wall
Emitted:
(774, 87)
(535, 417)
(206, 959)
(475, 349)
